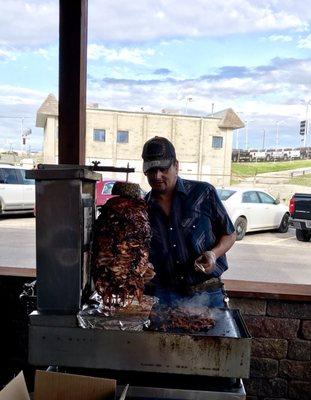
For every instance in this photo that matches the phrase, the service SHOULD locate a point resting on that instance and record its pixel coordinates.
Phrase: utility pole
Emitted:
(263, 139)
(187, 101)
(307, 122)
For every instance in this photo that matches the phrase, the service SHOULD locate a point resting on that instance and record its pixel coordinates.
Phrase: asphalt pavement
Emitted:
(264, 256)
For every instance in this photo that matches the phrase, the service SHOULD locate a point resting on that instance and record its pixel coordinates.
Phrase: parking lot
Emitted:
(263, 256)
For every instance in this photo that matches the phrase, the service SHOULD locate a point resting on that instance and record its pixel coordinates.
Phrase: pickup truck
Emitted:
(300, 215)
(239, 155)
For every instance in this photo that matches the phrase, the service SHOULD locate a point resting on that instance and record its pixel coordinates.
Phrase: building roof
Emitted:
(228, 118)
(48, 107)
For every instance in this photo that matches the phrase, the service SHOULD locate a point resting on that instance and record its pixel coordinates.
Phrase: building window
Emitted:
(122, 137)
(99, 135)
(217, 142)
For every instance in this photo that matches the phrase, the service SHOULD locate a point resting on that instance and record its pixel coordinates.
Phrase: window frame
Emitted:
(119, 132)
(221, 139)
(97, 131)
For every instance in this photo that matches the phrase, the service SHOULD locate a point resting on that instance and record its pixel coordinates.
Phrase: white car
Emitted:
(253, 210)
(17, 194)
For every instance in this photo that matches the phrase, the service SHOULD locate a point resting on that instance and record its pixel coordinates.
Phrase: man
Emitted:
(191, 231)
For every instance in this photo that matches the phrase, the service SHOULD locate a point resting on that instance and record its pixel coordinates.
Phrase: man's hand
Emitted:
(206, 262)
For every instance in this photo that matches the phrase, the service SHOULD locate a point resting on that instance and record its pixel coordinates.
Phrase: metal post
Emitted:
(307, 123)
(22, 128)
(187, 100)
(246, 135)
(264, 139)
(277, 135)
(237, 139)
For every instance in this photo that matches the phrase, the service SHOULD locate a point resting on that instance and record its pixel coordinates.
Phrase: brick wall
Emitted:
(281, 348)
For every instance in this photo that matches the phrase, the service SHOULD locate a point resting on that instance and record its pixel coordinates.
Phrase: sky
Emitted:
(192, 57)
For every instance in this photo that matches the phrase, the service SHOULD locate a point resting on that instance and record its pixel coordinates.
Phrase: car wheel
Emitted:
(240, 228)
(283, 228)
(303, 236)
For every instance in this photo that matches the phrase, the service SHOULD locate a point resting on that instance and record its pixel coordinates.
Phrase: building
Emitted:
(114, 137)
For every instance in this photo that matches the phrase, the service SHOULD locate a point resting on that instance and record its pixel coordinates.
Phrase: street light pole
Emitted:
(307, 122)
(21, 125)
(246, 133)
(22, 130)
(187, 100)
(277, 134)
(264, 139)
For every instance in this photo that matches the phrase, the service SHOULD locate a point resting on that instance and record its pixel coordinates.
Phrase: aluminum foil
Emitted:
(131, 317)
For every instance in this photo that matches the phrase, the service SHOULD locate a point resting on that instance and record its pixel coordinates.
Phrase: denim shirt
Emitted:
(196, 222)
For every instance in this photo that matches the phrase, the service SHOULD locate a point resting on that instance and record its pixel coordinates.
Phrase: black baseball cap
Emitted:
(158, 152)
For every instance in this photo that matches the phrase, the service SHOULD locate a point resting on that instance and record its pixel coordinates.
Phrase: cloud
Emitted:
(162, 71)
(30, 23)
(305, 43)
(134, 55)
(280, 38)
(278, 83)
(17, 102)
(34, 23)
(7, 55)
(146, 20)
(44, 53)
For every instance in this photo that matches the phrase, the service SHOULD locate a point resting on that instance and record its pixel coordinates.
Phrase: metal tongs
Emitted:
(200, 266)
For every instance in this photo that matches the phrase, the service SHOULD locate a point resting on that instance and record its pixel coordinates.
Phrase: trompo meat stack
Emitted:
(121, 247)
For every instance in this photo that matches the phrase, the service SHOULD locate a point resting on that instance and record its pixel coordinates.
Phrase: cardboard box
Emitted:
(56, 386)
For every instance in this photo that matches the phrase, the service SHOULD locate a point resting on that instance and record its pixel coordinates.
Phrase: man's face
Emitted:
(163, 180)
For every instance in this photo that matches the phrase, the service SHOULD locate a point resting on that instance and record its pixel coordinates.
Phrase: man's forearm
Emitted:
(225, 243)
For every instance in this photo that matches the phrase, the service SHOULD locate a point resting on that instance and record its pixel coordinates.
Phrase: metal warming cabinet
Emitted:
(157, 365)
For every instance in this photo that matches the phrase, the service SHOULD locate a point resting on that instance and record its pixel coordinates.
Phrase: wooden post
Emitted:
(72, 81)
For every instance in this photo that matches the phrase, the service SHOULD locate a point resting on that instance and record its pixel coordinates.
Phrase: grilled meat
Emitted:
(181, 319)
(121, 249)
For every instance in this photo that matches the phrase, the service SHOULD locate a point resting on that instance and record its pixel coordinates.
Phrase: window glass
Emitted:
(25, 180)
(250, 197)
(99, 135)
(10, 176)
(107, 188)
(122, 137)
(265, 198)
(224, 194)
(217, 142)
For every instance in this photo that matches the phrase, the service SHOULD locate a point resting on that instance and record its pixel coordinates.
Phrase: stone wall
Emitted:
(281, 348)
(278, 317)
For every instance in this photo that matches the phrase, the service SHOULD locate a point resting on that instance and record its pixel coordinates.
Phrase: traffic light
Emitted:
(303, 125)
(24, 141)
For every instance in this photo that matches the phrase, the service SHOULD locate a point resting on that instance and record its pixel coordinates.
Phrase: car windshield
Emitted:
(224, 194)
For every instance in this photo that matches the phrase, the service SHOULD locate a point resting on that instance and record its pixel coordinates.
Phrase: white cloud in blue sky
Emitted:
(253, 56)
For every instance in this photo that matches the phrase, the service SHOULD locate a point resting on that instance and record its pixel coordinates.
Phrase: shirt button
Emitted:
(193, 226)
(174, 245)
(171, 228)
(177, 262)
(181, 278)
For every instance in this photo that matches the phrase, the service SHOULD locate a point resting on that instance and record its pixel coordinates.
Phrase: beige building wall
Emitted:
(50, 144)
(192, 137)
